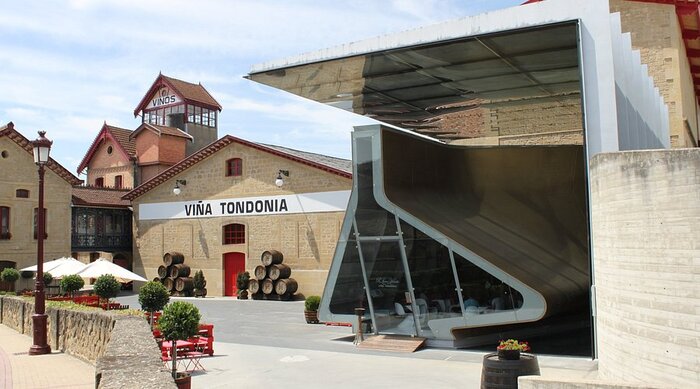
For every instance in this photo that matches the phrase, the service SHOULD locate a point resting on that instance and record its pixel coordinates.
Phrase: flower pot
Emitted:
(509, 355)
(311, 317)
(243, 295)
(183, 381)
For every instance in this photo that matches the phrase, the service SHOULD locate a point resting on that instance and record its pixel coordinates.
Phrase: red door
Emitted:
(234, 263)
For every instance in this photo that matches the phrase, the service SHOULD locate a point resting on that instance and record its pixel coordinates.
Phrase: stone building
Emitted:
(19, 202)
(229, 209)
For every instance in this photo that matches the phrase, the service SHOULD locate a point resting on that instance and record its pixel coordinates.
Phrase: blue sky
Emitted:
(67, 66)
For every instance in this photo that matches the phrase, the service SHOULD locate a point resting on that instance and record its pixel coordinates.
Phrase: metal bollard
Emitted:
(358, 329)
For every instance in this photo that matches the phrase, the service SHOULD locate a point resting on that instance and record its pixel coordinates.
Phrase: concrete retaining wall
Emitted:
(645, 231)
(121, 346)
(534, 382)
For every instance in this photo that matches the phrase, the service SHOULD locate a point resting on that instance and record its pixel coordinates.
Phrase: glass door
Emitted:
(389, 289)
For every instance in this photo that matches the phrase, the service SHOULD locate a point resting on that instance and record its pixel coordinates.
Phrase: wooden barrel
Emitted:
(162, 271)
(256, 296)
(253, 286)
(260, 272)
(268, 286)
(179, 270)
(156, 279)
(271, 257)
(184, 283)
(169, 283)
(286, 286)
(279, 271)
(173, 258)
(503, 374)
(177, 293)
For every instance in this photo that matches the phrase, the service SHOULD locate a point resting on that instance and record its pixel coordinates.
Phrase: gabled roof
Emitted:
(120, 137)
(189, 92)
(160, 130)
(9, 131)
(341, 164)
(309, 159)
(99, 197)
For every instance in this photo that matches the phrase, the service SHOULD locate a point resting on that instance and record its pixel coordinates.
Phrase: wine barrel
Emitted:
(169, 283)
(162, 271)
(253, 286)
(499, 373)
(279, 271)
(156, 279)
(184, 283)
(177, 293)
(260, 272)
(256, 296)
(173, 258)
(271, 257)
(268, 286)
(179, 270)
(286, 286)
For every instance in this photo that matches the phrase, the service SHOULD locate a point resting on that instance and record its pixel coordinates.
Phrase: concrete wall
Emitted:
(108, 166)
(307, 240)
(535, 382)
(18, 171)
(645, 226)
(203, 136)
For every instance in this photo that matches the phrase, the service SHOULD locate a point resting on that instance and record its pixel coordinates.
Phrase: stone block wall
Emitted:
(645, 226)
(536, 382)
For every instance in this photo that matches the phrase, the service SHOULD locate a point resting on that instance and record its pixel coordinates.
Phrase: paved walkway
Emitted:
(18, 370)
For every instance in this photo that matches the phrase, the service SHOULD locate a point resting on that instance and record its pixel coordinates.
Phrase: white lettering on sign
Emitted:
(163, 97)
(250, 206)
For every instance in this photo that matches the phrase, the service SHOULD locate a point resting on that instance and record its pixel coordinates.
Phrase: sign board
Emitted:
(247, 206)
(164, 96)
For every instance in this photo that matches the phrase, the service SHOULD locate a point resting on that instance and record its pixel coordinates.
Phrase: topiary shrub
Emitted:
(71, 284)
(199, 283)
(48, 278)
(107, 287)
(179, 321)
(311, 303)
(9, 275)
(26, 274)
(242, 281)
(153, 297)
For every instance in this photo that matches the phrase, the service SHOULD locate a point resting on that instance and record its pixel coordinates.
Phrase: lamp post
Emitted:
(42, 146)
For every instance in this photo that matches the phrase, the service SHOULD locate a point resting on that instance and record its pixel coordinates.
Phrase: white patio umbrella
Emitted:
(50, 265)
(71, 266)
(103, 266)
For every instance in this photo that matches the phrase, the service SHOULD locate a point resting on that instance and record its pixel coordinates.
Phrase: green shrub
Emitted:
(198, 280)
(242, 281)
(47, 278)
(106, 286)
(26, 274)
(153, 296)
(312, 302)
(9, 275)
(71, 284)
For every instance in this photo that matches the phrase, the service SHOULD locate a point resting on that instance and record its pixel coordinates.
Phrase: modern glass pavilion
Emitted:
(466, 243)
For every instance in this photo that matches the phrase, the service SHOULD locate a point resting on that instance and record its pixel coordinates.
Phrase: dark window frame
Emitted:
(234, 167)
(100, 182)
(233, 233)
(22, 193)
(118, 182)
(5, 231)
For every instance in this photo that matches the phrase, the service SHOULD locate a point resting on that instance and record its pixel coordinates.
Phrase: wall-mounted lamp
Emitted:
(279, 181)
(176, 189)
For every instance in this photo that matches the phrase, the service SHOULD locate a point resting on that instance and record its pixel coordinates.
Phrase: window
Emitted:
(234, 167)
(36, 224)
(22, 193)
(118, 182)
(99, 182)
(234, 234)
(109, 150)
(5, 223)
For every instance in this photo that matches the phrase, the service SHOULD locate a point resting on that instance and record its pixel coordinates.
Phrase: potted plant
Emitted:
(26, 275)
(107, 287)
(71, 284)
(242, 281)
(153, 297)
(311, 309)
(199, 284)
(10, 275)
(180, 320)
(510, 349)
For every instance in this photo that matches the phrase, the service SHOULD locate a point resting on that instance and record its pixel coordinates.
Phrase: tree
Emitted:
(10, 275)
(199, 282)
(107, 287)
(153, 297)
(71, 284)
(242, 281)
(180, 320)
(47, 278)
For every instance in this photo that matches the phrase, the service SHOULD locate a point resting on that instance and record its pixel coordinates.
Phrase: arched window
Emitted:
(234, 167)
(5, 223)
(22, 193)
(234, 233)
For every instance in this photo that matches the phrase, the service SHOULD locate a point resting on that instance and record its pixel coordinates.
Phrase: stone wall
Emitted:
(121, 346)
(645, 225)
(535, 382)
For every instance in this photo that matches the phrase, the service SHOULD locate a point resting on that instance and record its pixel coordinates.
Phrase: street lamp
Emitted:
(42, 147)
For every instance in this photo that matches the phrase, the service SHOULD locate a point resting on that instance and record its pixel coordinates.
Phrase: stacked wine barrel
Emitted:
(175, 275)
(272, 280)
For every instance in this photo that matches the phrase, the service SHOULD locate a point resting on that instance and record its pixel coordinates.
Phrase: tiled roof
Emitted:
(101, 197)
(191, 93)
(9, 131)
(161, 130)
(120, 136)
(332, 165)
